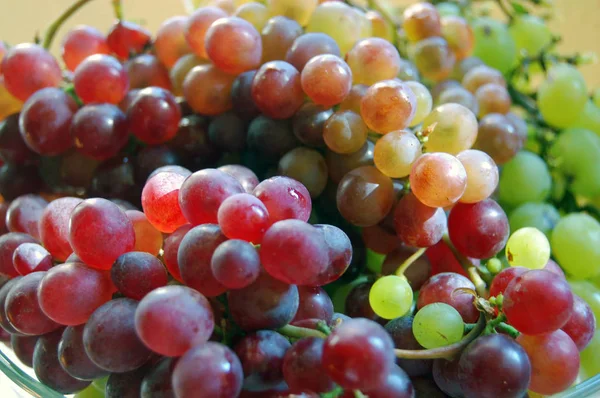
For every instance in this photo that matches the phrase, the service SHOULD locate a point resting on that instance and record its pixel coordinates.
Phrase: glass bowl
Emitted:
(25, 385)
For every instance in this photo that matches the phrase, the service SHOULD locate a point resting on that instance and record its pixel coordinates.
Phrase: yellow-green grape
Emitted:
(562, 96)
(366, 28)
(576, 245)
(452, 128)
(90, 392)
(542, 216)
(345, 132)
(530, 33)
(395, 153)
(391, 297)
(424, 102)
(255, 13)
(528, 247)
(380, 26)
(298, 10)
(340, 21)
(589, 292)
(375, 261)
(482, 175)
(590, 358)
(494, 265)
(438, 325)
(372, 60)
(574, 149)
(434, 58)
(525, 178)
(589, 118)
(494, 45)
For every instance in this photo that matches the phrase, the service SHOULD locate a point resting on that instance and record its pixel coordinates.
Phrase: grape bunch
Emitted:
(301, 198)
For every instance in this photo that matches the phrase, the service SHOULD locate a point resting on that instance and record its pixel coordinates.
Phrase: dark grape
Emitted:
(581, 324)
(158, 381)
(235, 264)
(314, 304)
(23, 347)
(270, 137)
(154, 115)
(136, 274)
(228, 132)
(100, 131)
(12, 145)
(73, 358)
(400, 329)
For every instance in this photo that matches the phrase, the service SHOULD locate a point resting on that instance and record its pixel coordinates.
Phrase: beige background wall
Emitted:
(578, 21)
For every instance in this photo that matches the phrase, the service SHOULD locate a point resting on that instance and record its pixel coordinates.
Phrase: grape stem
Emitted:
(118, 9)
(299, 333)
(506, 328)
(408, 262)
(468, 266)
(52, 29)
(505, 10)
(449, 351)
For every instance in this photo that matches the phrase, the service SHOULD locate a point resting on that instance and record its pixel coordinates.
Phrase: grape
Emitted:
(326, 91)
(228, 132)
(147, 238)
(574, 244)
(54, 226)
(112, 235)
(530, 33)
(244, 175)
(284, 198)
(47, 367)
(459, 36)
(480, 230)
(481, 75)
(278, 35)
(482, 175)
(170, 43)
(154, 115)
(194, 256)
(45, 121)
(589, 118)
(207, 90)
(158, 320)
(340, 251)
(309, 45)
(421, 21)
(345, 132)
(499, 138)
(299, 11)
(417, 224)
(562, 96)
(434, 58)
(12, 145)
(272, 138)
(206, 371)
(158, 381)
(354, 98)
(589, 359)
(16, 181)
(73, 358)
(136, 274)
(170, 249)
(581, 324)
(358, 354)
(255, 13)
(492, 98)
(538, 302)
(235, 264)
(306, 166)
(340, 21)
(28, 68)
(31, 257)
(125, 38)
(277, 90)
(233, 45)
(338, 165)
(100, 131)
(261, 355)
(81, 42)
(506, 376)
(365, 196)
(243, 216)
(438, 325)
(453, 129)
(446, 377)
(438, 179)
(23, 307)
(357, 303)
(294, 252)
(388, 106)
(459, 95)
(146, 70)
(4, 291)
(381, 27)
(444, 288)
(23, 347)
(380, 239)
(197, 26)
(504, 277)
(417, 274)
(88, 290)
(554, 361)
(575, 149)
(528, 247)
(396, 152)
(400, 329)
(314, 304)
(110, 337)
(397, 384)
(309, 122)
(180, 70)
(303, 366)
(125, 385)
(524, 179)
(24, 213)
(424, 102)
(493, 44)
(391, 297)
(372, 60)
(265, 304)
(193, 144)
(101, 78)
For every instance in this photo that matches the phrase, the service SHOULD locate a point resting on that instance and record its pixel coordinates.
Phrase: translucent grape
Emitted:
(353, 99)
(101, 78)
(233, 45)
(424, 101)
(244, 175)
(125, 38)
(372, 60)
(154, 116)
(499, 138)
(581, 326)
(524, 179)
(54, 227)
(170, 43)
(326, 91)
(100, 131)
(417, 224)
(135, 274)
(528, 247)
(503, 279)
(207, 90)
(160, 201)
(243, 216)
(445, 288)
(146, 70)
(562, 96)
(299, 11)
(421, 21)
(81, 42)
(482, 175)
(31, 257)
(306, 166)
(459, 36)
(453, 129)
(542, 216)
(277, 90)
(309, 45)
(339, 21)
(285, 198)
(147, 238)
(530, 33)
(438, 325)
(434, 58)
(24, 213)
(438, 179)
(494, 44)
(481, 75)
(381, 27)
(278, 35)
(391, 297)
(197, 26)
(309, 122)
(492, 98)
(387, 106)
(345, 132)
(396, 152)
(459, 95)
(255, 13)
(574, 243)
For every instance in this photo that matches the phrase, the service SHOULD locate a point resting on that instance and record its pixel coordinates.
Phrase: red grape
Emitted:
(8, 244)
(54, 226)
(158, 381)
(314, 304)
(80, 43)
(170, 249)
(380, 240)
(443, 260)
(31, 257)
(170, 43)
(303, 367)
(504, 278)
(326, 79)
(357, 303)
(417, 224)
(581, 324)
(100, 131)
(24, 213)
(233, 45)
(128, 384)
(4, 291)
(160, 201)
(277, 90)
(309, 45)
(339, 248)
(145, 70)
(147, 238)
(154, 115)
(284, 198)
(172, 319)
(23, 347)
(171, 168)
(243, 216)
(197, 25)
(207, 90)
(73, 358)
(442, 288)
(101, 78)
(127, 38)
(552, 266)
(235, 264)
(244, 175)
(136, 274)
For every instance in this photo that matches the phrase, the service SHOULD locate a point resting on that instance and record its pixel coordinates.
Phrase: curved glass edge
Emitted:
(587, 389)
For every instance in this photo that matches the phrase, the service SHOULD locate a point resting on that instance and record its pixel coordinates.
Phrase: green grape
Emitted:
(576, 245)
(339, 295)
(90, 392)
(562, 96)
(447, 9)
(574, 149)
(424, 102)
(590, 358)
(587, 182)
(596, 97)
(589, 292)
(374, 261)
(298, 10)
(340, 21)
(530, 33)
(524, 179)
(438, 325)
(391, 296)
(542, 216)
(100, 384)
(494, 45)
(528, 247)
(494, 265)
(589, 118)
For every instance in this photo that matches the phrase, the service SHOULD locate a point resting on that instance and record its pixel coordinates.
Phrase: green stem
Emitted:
(512, 332)
(52, 29)
(359, 394)
(449, 351)
(505, 10)
(335, 393)
(118, 9)
(408, 262)
(491, 325)
(299, 333)
(468, 266)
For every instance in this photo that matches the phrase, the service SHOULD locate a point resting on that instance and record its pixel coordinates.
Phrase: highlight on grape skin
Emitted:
(301, 198)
